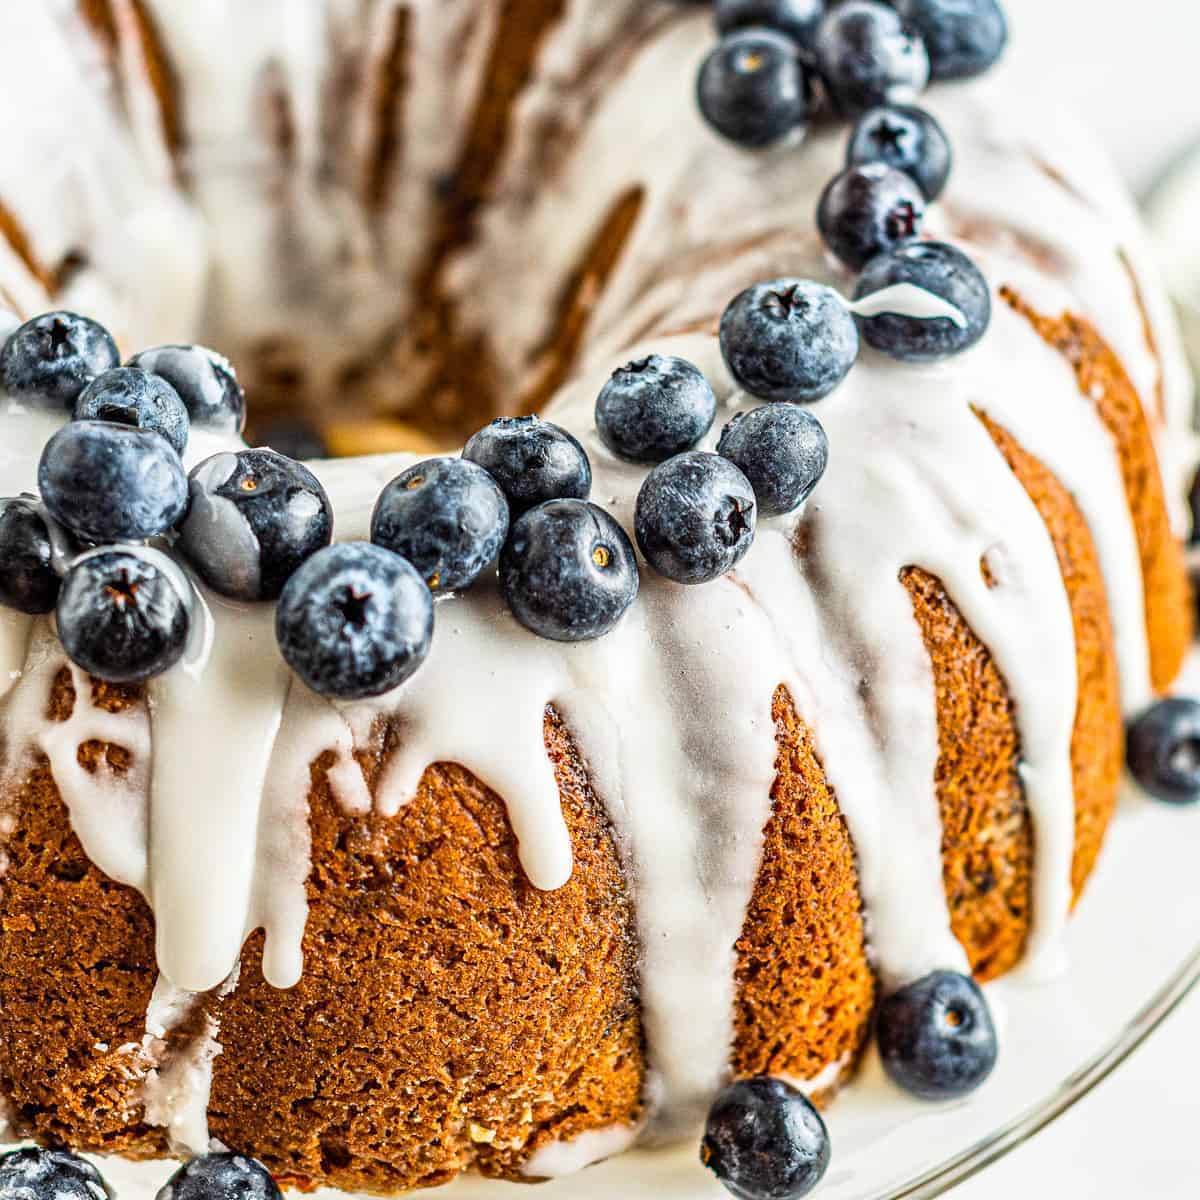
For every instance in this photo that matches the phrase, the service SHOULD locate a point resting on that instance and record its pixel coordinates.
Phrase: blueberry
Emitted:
(782, 450)
(568, 571)
(131, 396)
(906, 138)
(532, 460)
(1164, 750)
(936, 1036)
(355, 621)
(221, 1176)
(38, 1173)
(447, 516)
(206, 384)
(110, 483)
(963, 37)
(695, 517)
(765, 1141)
(254, 517)
(654, 408)
(799, 19)
(867, 210)
(122, 617)
(753, 89)
(944, 271)
(28, 581)
(867, 56)
(48, 361)
(790, 339)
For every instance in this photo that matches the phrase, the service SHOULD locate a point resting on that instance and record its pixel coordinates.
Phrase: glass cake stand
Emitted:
(1134, 949)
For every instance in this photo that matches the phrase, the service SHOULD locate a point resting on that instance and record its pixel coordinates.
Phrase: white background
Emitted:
(1130, 67)
(1133, 70)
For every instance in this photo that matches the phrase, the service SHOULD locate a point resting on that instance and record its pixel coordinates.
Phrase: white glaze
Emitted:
(100, 187)
(200, 799)
(557, 1159)
(176, 1087)
(108, 810)
(15, 632)
(910, 301)
(672, 712)
(176, 1095)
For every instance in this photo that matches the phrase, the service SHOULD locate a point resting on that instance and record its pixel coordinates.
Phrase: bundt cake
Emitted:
(549, 894)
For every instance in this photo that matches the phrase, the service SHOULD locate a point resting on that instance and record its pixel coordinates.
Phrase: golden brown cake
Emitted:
(546, 894)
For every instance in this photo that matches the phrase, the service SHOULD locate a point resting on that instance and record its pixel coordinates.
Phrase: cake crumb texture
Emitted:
(805, 988)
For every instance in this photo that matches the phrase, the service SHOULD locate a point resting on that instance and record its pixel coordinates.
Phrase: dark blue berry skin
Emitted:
(789, 339)
(1163, 750)
(48, 361)
(867, 210)
(654, 408)
(963, 37)
(936, 1036)
(205, 382)
(799, 19)
(867, 56)
(37, 1173)
(532, 460)
(121, 617)
(765, 1141)
(782, 449)
(223, 1176)
(28, 581)
(695, 517)
(355, 621)
(447, 516)
(131, 396)
(753, 88)
(253, 518)
(568, 571)
(906, 138)
(110, 483)
(947, 273)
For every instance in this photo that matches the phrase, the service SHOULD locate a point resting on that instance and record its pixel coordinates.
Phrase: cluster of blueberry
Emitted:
(870, 217)
(115, 505)
(111, 483)
(869, 59)
(38, 1173)
(100, 544)
(567, 569)
(696, 511)
(764, 1140)
(780, 62)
